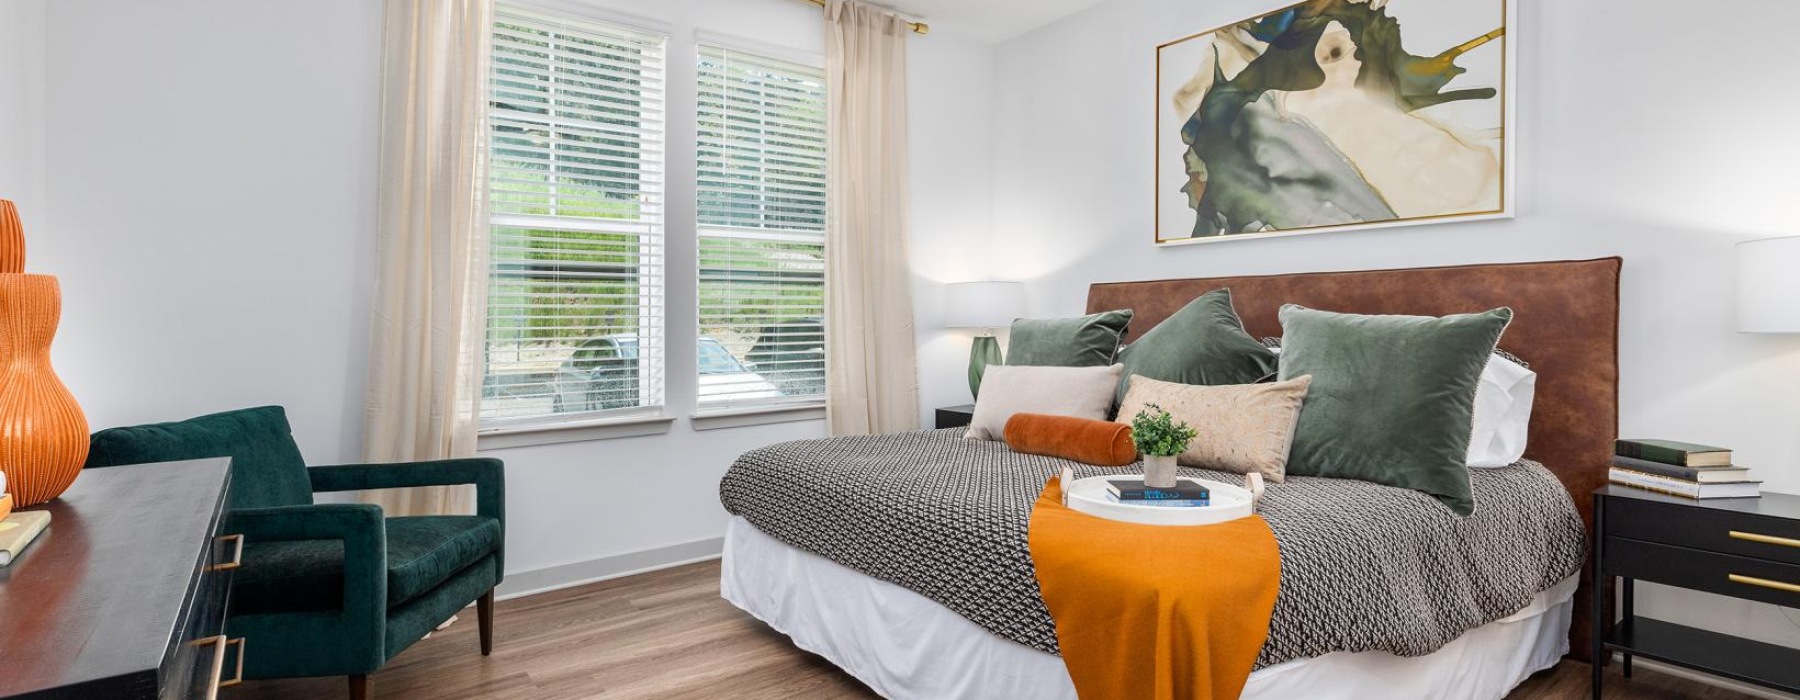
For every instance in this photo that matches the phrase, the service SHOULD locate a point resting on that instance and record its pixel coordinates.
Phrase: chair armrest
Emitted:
(364, 533)
(487, 474)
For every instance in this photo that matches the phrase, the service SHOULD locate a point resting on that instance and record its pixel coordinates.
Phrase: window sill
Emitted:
(760, 415)
(573, 431)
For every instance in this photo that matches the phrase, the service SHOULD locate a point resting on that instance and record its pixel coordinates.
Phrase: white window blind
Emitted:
(761, 163)
(575, 304)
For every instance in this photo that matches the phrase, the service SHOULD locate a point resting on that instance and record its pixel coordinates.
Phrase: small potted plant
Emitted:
(1160, 439)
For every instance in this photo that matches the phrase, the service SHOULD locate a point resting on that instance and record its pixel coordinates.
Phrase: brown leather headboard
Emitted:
(1565, 325)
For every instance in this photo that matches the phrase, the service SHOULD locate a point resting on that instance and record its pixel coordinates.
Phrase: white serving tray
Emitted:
(1228, 503)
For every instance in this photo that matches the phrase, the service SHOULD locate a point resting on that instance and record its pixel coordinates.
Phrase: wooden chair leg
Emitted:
(359, 688)
(484, 609)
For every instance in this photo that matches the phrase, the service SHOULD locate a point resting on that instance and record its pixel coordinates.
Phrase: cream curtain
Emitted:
(431, 245)
(872, 379)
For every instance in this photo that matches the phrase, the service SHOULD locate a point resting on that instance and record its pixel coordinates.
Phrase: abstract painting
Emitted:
(1333, 115)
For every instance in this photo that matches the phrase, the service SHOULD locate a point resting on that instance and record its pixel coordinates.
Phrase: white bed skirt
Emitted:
(907, 647)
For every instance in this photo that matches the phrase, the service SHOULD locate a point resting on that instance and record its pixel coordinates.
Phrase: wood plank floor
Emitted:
(667, 634)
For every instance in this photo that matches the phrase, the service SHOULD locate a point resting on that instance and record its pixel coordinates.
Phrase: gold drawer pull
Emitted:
(1765, 539)
(238, 677)
(237, 556)
(220, 645)
(1764, 583)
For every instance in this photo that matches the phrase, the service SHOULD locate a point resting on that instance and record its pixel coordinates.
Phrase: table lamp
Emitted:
(985, 306)
(1768, 277)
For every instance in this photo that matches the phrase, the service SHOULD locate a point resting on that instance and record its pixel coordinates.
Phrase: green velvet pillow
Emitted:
(1392, 398)
(1088, 341)
(1203, 343)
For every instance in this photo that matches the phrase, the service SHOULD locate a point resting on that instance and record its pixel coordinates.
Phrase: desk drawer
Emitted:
(1725, 574)
(203, 659)
(1741, 534)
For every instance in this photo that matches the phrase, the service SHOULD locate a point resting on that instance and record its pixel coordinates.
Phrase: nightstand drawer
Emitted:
(1739, 577)
(1742, 534)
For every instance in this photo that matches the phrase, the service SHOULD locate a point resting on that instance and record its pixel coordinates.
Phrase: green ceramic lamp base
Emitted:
(985, 351)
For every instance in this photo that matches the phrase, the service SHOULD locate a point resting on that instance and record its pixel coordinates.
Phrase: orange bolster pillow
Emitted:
(1085, 440)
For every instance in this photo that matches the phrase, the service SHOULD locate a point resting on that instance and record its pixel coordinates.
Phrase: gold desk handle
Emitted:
(218, 663)
(237, 556)
(1764, 583)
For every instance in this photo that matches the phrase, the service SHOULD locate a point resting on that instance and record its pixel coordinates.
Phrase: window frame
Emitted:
(651, 241)
(736, 413)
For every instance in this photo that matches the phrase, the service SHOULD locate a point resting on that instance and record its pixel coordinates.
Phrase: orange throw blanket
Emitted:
(1147, 612)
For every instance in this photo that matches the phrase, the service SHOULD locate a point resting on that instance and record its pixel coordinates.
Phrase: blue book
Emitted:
(1165, 503)
(1135, 490)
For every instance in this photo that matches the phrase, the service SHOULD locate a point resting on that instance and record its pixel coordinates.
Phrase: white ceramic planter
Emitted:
(1159, 471)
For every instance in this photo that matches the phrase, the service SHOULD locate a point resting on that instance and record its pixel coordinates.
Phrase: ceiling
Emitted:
(992, 21)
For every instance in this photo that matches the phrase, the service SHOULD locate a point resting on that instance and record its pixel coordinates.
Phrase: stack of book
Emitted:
(1186, 493)
(1681, 469)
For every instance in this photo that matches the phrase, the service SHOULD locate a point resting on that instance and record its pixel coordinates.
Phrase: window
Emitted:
(761, 163)
(575, 305)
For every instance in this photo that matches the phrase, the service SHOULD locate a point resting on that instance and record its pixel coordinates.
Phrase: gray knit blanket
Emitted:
(1363, 566)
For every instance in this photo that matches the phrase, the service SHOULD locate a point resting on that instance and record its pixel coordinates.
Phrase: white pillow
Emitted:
(1083, 392)
(1502, 413)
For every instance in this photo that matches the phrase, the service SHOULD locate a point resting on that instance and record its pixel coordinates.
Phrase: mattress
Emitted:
(906, 647)
(1364, 567)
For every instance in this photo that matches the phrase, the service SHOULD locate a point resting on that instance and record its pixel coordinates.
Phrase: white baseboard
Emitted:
(524, 583)
(1696, 676)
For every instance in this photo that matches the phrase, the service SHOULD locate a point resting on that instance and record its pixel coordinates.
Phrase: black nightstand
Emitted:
(1746, 548)
(955, 416)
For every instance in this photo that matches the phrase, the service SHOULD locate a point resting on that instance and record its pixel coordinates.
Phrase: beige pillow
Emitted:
(1242, 428)
(1082, 392)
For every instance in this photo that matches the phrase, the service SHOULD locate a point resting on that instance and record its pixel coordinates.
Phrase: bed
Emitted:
(900, 558)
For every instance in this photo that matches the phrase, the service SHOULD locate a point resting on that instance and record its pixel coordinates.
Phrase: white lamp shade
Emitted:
(983, 304)
(1768, 276)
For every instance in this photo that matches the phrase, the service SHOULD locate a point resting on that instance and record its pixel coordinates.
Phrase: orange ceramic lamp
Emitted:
(43, 434)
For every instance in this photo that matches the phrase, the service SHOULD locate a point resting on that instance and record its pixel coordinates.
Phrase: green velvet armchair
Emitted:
(332, 589)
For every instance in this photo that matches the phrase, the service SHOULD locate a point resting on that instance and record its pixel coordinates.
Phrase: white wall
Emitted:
(210, 201)
(1636, 140)
(201, 174)
(21, 90)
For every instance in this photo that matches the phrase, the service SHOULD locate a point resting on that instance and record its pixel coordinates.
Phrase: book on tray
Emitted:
(1186, 493)
(1169, 503)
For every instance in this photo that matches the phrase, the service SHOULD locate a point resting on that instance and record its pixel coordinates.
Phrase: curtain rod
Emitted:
(917, 27)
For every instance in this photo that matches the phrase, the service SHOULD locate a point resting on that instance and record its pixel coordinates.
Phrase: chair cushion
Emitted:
(423, 551)
(266, 467)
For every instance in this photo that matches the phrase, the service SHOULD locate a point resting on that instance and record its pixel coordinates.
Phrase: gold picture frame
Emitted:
(1284, 124)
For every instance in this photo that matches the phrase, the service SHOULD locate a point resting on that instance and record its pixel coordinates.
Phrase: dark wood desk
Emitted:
(124, 595)
(1746, 548)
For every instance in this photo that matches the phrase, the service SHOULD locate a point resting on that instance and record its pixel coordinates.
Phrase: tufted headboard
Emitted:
(1565, 325)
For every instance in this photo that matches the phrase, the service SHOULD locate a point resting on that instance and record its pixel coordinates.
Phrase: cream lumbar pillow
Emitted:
(1241, 428)
(1082, 392)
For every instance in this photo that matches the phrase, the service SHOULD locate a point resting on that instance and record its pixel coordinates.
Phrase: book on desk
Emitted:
(1685, 469)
